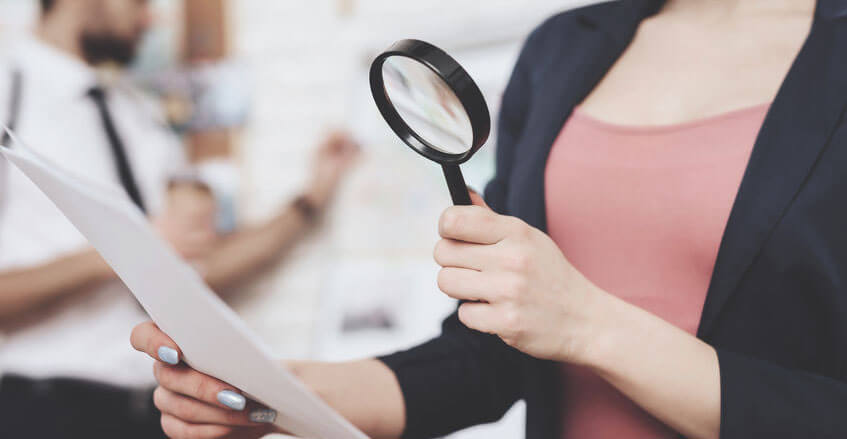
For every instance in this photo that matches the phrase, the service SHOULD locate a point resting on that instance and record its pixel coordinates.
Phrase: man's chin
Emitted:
(101, 50)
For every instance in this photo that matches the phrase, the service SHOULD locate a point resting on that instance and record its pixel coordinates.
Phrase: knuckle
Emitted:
(166, 376)
(463, 314)
(185, 409)
(440, 250)
(520, 261)
(158, 373)
(443, 279)
(515, 286)
(514, 222)
(451, 221)
(520, 229)
(513, 321)
(160, 399)
(482, 216)
(167, 427)
(191, 432)
(196, 432)
(173, 429)
(203, 389)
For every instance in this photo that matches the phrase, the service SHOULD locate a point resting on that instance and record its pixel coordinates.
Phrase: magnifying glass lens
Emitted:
(427, 105)
(433, 106)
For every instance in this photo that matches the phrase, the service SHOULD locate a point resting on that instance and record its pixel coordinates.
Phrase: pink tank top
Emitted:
(640, 211)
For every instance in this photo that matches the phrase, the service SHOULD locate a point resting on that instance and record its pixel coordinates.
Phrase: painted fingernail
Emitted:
(232, 400)
(168, 355)
(264, 416)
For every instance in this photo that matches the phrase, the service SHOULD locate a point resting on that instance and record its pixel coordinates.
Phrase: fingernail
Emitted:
(264, 416)
(232, 400)
(168, 355)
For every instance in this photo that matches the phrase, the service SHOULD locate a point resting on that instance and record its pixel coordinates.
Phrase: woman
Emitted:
(685, 160)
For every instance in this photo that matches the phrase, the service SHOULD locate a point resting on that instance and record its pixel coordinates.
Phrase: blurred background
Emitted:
(251, 86)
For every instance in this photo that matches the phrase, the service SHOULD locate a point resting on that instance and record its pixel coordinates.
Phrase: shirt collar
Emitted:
(65, 75)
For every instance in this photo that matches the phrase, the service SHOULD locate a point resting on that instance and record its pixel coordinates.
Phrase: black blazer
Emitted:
(776, 309)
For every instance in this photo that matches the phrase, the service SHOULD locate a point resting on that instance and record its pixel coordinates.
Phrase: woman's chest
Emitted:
(673, 72)
(641, 210)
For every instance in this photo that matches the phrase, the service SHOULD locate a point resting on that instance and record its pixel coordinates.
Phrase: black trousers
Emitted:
(63, 408)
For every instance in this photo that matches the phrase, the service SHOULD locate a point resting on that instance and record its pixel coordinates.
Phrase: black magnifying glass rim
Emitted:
(456, 78)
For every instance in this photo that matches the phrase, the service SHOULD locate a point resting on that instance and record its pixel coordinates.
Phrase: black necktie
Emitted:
(98, 95)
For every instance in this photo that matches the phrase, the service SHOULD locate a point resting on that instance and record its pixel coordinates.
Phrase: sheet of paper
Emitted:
(213, 338)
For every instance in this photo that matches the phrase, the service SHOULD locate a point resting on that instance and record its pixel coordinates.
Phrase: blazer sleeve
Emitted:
(762, 399)
(463, 377)
(515, 107)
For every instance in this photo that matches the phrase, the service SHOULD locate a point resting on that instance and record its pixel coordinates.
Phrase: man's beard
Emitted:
(99, 48)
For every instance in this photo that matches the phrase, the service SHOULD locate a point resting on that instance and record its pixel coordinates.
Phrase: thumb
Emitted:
(477, 199)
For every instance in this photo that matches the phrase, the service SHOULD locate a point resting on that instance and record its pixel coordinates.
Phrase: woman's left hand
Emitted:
(195, 405)
(517, 284)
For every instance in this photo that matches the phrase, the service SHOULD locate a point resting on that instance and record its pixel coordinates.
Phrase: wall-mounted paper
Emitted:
(212, 337)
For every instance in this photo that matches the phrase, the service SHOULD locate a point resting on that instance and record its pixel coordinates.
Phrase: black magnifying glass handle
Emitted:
(456, 184)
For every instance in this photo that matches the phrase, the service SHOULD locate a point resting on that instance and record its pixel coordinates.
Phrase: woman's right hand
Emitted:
(195, 405)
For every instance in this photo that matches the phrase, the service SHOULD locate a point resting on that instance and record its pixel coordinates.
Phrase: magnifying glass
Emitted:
(433, 105)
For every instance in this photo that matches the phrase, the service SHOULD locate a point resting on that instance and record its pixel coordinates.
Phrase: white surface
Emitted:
(212, 337)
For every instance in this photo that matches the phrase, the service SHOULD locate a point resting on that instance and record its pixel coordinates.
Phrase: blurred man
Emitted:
(62, 310)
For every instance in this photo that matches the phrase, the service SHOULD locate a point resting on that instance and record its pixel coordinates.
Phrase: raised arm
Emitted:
(24, 289)
(251, 249)
(248, 251)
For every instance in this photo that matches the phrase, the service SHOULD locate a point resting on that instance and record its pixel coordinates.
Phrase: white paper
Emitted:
(213, 339)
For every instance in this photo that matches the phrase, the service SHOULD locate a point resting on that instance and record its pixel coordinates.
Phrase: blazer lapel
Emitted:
(803, 115)
(567, 81)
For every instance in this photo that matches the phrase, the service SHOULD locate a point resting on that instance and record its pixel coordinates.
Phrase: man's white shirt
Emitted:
(85, 335)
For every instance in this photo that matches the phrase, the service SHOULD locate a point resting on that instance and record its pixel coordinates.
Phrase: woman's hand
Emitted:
(194, 405)
(520, 287)
(517, 284)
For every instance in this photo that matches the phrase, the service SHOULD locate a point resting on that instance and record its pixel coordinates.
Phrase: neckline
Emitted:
(578, 113)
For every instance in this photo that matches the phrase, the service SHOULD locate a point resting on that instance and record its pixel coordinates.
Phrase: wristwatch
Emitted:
(306, 208)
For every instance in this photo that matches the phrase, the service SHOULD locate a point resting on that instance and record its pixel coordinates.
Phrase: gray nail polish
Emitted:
(265, 416)
(232, 400)
(168, 355)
